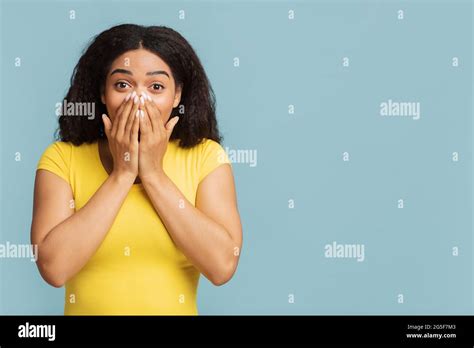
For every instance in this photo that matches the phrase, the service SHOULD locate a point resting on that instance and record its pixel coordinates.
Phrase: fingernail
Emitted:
(135, 100)
(149, 98)
(129, 95)
(142, 100)
(142, 113)
(138, 113)
(134, 94)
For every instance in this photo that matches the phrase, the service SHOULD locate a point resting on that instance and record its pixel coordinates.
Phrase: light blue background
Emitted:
(408, 251)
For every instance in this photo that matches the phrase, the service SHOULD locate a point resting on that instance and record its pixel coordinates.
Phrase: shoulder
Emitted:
(65, 148)
(201, 149)
(210, 155)
(61, 145)
(209, 146)
(209, 150)
(63, 153)
(59, 148)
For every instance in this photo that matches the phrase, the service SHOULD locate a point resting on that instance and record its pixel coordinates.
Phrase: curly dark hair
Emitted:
(88, 80)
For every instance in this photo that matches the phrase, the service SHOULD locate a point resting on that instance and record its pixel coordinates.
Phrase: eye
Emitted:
(156, 87)
(121, 85)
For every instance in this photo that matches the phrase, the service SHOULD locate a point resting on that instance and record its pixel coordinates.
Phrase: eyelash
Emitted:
(119, 83)
(157, 84)
(125, 83)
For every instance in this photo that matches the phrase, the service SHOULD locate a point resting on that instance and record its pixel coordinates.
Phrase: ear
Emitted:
(177, 96)
(102, 95)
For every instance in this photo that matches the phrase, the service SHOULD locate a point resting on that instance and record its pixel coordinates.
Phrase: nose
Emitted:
(141, 96)
(139, 91)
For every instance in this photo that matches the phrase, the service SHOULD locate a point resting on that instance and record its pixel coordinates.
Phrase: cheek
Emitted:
(113, 102)
(164, 103)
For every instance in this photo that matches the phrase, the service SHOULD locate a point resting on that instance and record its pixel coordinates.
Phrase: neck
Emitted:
(107, 159)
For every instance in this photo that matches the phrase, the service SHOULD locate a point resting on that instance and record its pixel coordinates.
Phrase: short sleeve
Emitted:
(56, 159)
(212, 156)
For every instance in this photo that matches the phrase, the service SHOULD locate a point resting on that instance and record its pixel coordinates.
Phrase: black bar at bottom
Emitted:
(136, 330)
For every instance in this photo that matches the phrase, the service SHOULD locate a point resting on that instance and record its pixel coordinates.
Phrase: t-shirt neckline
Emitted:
(135, 187)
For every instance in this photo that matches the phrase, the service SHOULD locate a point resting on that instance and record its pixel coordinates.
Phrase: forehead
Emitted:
(140, 60)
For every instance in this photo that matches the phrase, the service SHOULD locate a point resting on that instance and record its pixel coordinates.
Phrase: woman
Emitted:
(130, 208)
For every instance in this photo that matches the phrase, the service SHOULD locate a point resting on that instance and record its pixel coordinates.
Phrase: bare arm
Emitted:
(67, 240)
(210, 234)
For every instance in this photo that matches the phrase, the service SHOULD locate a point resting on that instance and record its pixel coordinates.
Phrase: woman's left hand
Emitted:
(154, 137)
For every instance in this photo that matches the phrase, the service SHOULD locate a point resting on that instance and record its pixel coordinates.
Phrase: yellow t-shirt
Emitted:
(137, 270)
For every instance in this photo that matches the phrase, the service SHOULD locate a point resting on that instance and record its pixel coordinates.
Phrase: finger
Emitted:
(170, 125)
(145, 126)
(134, 130)
(124, 116)
(107, 125)
(130, 121)
(135, 109)
(153, 112)
(128, 107)
(125, 102)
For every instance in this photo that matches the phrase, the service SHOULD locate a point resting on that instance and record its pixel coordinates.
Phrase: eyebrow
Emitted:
(128, 72)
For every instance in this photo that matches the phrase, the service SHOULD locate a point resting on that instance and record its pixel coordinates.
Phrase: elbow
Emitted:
(55, 282)
(51, 275)
(224, 275)
(53, 279)
(220, 280)
(48, 268)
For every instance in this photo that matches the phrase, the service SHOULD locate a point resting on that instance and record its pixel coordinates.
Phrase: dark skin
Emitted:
(155, 94)
(107, 160)
(207, 231)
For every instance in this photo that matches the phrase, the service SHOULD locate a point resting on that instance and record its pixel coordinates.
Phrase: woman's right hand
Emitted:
(122, 136)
